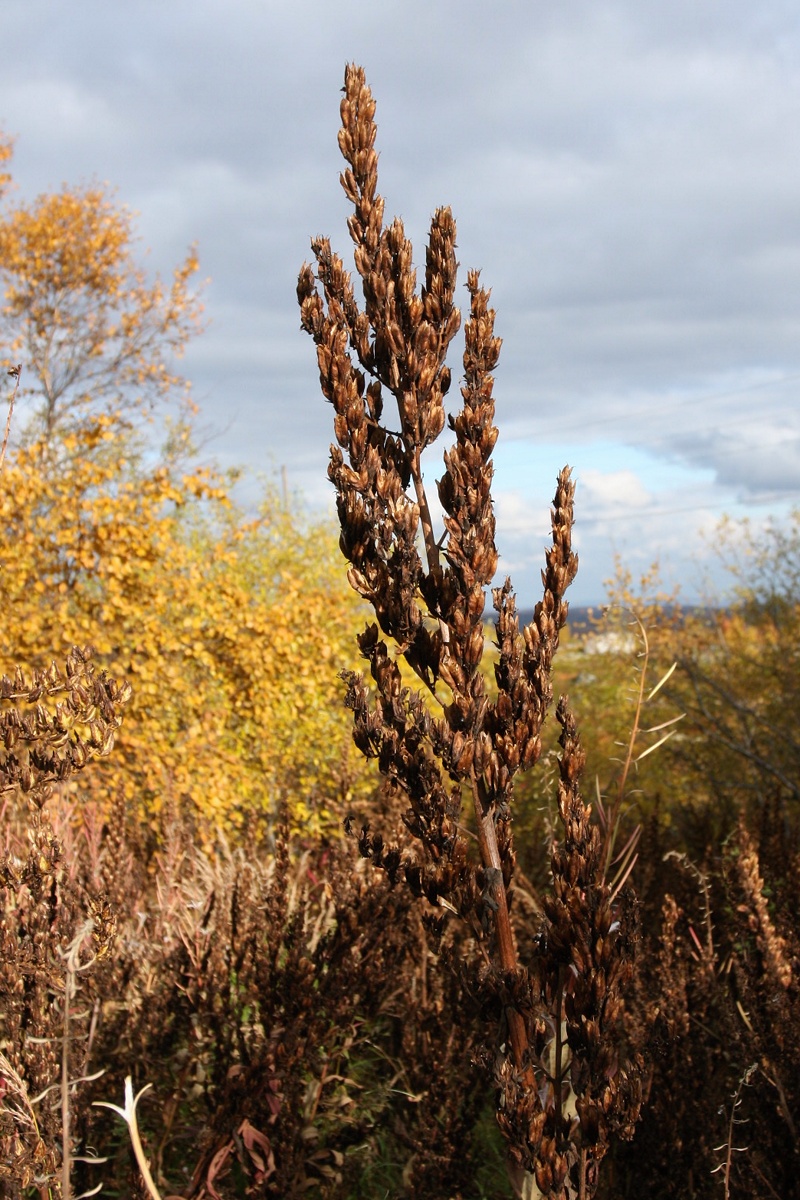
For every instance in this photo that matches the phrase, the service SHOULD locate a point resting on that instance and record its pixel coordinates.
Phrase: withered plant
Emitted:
(259, 998)
(720, 997)
(52, 931)
(262, 1000)
(449, 747)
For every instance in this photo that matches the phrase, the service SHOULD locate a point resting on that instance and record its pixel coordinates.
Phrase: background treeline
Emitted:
(186, 911)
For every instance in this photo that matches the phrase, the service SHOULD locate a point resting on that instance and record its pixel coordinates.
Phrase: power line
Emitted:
(666, 405)
(650, 513)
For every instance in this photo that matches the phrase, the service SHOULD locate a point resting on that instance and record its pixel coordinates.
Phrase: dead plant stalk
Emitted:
(448, 742)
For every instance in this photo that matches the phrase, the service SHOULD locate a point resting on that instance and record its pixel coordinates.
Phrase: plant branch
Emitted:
(16, 374)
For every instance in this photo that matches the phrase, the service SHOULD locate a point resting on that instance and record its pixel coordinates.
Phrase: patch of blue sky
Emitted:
(529, 465)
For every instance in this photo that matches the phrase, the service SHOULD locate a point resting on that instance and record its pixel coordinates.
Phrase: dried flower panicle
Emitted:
(431, 604)
(586, 1090)
(429, 594)
(52, 723)
(771, 946)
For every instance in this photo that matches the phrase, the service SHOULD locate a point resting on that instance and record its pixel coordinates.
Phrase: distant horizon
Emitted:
(580, 615)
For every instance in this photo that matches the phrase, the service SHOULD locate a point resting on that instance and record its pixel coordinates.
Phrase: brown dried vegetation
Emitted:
(563, 1011)
(308, 1024)
(264, 996)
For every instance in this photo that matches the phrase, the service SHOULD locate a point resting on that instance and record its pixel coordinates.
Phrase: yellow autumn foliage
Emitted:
(93, 332)
(231, 630)
(6, 153)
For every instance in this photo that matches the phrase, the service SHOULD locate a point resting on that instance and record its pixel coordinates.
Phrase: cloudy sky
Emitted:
(625, 174)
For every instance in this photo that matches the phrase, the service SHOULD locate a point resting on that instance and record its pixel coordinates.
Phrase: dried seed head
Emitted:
(49, 743)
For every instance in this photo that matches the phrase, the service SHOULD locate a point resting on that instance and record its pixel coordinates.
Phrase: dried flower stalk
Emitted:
(52, 723)
(772, 946)
(428, 595)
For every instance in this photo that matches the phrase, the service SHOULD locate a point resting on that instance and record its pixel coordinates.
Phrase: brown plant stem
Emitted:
(506, 947)
(16, 375)
(66, 1149)
(426, 520)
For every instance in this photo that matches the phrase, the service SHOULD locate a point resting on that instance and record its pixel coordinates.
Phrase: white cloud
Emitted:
(625, 174)
(613, 492)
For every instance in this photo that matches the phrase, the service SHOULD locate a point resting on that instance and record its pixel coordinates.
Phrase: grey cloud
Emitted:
(625, 174)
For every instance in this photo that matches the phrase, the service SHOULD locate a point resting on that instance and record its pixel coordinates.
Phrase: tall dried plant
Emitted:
(720, 998)
(52, 723)
(449, 743)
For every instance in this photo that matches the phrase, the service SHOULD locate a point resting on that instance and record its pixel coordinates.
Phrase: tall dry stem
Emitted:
(447, 745)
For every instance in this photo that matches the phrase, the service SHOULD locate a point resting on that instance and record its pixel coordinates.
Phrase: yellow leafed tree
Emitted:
(93, 332)
(230, 629)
